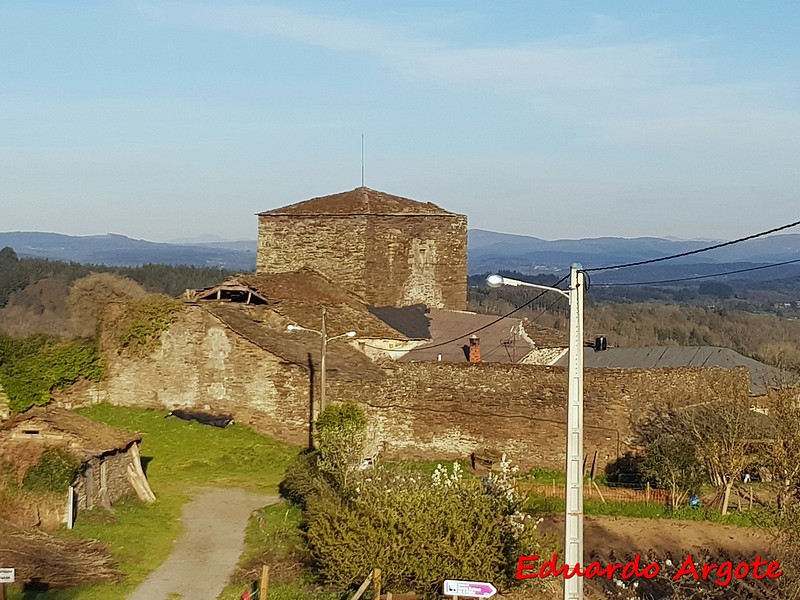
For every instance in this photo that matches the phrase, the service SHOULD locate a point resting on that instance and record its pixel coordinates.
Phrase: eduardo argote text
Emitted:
(530, 567)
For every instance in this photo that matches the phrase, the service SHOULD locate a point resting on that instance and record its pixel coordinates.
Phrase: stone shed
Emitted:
(111, 466)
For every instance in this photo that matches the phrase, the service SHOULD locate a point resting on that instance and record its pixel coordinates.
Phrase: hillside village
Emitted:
(393, 270)
(359, 298)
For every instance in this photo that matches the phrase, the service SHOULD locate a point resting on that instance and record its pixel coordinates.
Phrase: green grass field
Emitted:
(178, 457)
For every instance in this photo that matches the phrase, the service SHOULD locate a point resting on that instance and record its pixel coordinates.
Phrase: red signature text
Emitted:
(528, 567)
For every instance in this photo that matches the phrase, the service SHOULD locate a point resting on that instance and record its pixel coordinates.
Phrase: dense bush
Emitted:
(303, 479)
(420, 530)
(32, 369)
(144, 322)
(341, 435)
(55, 471)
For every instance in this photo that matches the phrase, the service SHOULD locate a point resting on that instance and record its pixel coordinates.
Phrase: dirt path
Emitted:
(207, 552)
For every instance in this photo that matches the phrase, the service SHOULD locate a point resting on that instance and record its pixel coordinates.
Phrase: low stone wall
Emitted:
(439, 410)
(419, 410)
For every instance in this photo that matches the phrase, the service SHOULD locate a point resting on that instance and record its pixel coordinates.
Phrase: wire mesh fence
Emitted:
(591, 490)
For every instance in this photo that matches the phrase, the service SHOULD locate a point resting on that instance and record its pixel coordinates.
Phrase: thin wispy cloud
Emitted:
(602, 74)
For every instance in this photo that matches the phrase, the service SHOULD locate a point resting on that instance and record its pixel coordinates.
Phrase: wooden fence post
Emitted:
(647, 493)
(376, 584)
(363, 588)
(263, 585)
(594, 483)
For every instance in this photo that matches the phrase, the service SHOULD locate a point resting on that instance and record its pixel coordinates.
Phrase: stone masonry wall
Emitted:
(420, 259)
(444, 410)
(332, 246)
(388, 260)
(202, 364)
(420, 410)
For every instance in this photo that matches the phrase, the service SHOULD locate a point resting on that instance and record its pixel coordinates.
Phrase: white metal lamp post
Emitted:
(573, 527)
(323, 333)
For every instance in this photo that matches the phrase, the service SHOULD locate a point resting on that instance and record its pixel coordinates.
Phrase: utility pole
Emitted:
(573, 502)
(573, 526)
(323, 370)
(323, 359)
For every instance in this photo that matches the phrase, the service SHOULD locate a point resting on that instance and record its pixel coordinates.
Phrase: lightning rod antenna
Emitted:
(362, 160)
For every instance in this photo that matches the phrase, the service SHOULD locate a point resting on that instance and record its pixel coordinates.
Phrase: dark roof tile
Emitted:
(360, 201)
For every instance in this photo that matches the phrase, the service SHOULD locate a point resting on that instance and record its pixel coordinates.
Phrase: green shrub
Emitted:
(146, 320)
(29, 379)
(341, 433)
(302, 479)
(420, 530)
(55, 471)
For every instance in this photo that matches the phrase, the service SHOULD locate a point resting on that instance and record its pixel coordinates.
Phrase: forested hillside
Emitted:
(34, 292)
(766, 337)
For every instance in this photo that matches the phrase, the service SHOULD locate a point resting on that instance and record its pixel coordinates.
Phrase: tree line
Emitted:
(18, 273)
(765, 337)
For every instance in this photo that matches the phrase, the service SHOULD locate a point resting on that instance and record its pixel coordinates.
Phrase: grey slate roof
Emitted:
(411, 321)
(761, 376)
(447, 324)
(297, 347)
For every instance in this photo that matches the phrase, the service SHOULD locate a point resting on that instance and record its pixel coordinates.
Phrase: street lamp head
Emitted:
(494, 281)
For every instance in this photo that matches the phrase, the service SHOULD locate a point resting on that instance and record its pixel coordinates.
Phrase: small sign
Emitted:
(6, 575)
(471, 589)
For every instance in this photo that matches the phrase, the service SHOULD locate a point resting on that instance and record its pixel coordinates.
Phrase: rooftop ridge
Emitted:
(359, 201)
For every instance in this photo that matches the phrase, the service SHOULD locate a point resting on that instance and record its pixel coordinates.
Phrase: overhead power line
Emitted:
(469, 333)
(695, 277)
(698, 251)
(497, 320)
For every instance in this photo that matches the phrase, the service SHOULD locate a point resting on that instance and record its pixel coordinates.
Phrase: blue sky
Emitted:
(168, 120)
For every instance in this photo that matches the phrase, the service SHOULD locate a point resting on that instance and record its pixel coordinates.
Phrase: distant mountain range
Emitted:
(119, 250)
(488, 252)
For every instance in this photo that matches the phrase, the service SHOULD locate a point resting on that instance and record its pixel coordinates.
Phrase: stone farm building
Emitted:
(110, 461)
(394, 271)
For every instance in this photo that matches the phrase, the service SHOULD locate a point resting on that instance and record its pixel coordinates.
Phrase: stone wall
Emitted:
(420, 410)
(202, 364)
(445, 410)
(332, 246)
(388, 260)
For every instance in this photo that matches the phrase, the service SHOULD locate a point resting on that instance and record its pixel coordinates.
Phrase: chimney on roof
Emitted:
(474, 349)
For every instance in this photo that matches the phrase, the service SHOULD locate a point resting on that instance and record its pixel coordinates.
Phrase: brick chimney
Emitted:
(474, 349)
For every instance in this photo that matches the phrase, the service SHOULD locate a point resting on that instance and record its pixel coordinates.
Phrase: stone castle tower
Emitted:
(391, 251)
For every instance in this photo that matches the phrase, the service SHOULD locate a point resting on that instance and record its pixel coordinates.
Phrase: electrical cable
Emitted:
(695, 277)
(698, 251)
(497, 320)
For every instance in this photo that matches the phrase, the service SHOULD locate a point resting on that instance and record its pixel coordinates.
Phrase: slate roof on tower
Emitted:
(360, 201)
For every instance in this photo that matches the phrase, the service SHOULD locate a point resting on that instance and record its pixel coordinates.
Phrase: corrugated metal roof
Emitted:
(651, 357)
